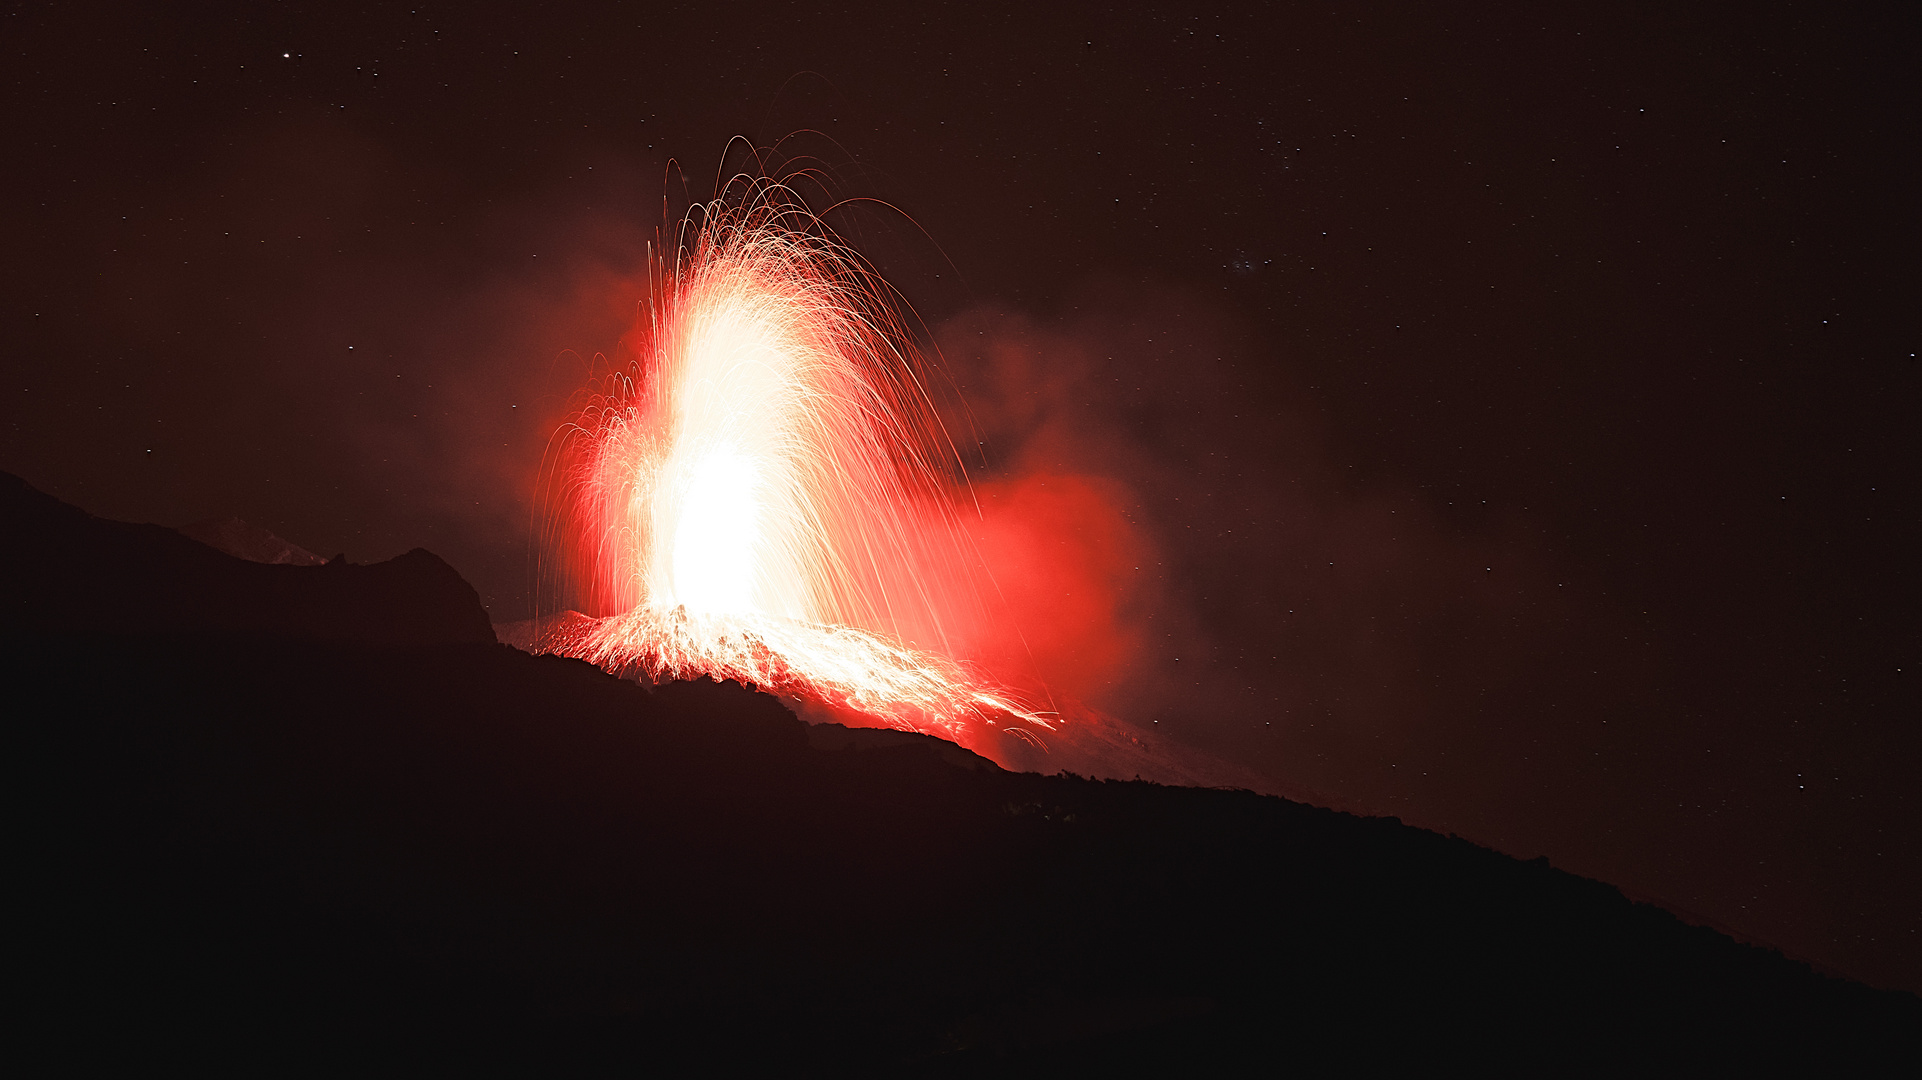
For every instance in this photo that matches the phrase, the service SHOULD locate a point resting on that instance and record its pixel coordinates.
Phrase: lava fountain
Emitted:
(765, 492)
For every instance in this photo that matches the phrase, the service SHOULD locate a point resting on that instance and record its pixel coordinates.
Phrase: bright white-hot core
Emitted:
(714, 539)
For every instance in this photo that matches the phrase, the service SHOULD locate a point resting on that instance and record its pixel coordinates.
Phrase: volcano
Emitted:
(294, 818)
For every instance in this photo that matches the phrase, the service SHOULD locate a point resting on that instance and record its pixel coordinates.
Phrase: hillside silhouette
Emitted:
(315, 819)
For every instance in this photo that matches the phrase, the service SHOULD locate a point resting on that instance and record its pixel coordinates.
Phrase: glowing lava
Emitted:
(766, 494)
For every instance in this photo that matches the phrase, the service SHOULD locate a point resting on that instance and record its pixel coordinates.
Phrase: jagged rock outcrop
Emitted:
(71, 572)
(249, 542)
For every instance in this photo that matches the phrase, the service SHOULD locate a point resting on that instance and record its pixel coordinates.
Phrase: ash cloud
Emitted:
(1184, 552)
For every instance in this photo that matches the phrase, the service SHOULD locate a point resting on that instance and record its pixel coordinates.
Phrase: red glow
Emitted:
(765, 493)
(1068, 564)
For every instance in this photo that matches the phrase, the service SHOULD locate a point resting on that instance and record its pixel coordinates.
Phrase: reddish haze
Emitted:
(1065, 561)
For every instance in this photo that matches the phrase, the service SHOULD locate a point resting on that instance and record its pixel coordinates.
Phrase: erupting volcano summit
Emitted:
(764, 491)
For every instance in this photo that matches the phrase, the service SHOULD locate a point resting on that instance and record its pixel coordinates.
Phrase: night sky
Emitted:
(1502, 421)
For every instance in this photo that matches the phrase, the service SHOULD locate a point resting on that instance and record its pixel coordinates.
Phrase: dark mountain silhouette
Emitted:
(69, 572)
(315, 820)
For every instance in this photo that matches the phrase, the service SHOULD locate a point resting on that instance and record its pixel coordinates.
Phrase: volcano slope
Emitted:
(315, 820)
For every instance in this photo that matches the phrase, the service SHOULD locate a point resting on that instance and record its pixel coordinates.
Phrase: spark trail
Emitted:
(765, 493)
